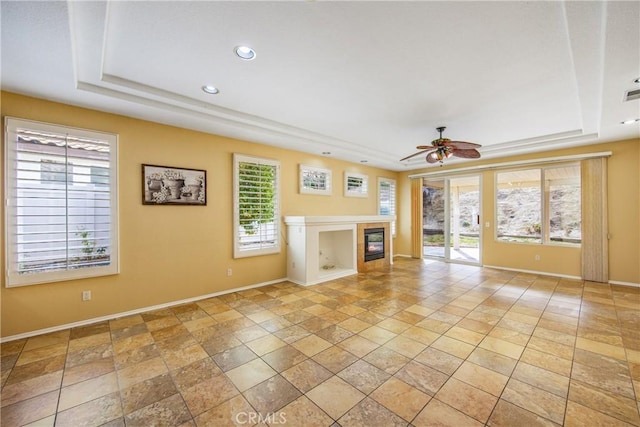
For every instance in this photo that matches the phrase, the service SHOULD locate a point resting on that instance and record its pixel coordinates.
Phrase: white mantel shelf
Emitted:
(323, 248)
(338, 219)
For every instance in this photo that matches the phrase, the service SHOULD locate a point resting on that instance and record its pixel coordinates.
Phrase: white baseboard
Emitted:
(244, 288)
(631, 284)
(544, 273)
(541, 273)
(326, 278)
(132, 312)
(402, 256)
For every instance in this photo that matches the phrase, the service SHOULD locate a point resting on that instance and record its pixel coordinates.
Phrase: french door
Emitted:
(451, 219)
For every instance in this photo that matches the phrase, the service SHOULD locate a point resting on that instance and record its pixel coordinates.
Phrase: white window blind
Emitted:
(61, 193)
(387, 199)
(256, 206)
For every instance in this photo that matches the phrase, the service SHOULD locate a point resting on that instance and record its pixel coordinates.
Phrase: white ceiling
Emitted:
(362, 80)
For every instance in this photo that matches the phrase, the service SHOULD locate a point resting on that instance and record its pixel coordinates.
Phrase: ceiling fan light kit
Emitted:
(443, 148)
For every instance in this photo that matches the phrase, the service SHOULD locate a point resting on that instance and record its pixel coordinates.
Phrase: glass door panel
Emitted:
(464, 223)
(433, 218)
(451, 222)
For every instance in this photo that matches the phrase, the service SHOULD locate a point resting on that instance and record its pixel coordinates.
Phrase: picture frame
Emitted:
(356, 184)
(314, 180)
(170, 185)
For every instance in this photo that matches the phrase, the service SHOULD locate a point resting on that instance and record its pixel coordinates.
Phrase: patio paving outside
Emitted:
(461, 254)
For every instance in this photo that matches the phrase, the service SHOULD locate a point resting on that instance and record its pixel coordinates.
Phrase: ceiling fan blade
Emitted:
(462, 145)
(424, 147)
(466, 154)
(415, 154)
(432, 157)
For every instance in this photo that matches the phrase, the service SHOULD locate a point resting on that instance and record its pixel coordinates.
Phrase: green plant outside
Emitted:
(256, 194)
(438, 240)
(89, 245)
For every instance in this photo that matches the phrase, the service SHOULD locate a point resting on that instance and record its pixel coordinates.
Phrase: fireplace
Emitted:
(373, 244)
(324, 248)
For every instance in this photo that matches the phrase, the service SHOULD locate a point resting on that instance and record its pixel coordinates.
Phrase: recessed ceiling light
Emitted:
(211, 90)
(245, 52)
(628, 122)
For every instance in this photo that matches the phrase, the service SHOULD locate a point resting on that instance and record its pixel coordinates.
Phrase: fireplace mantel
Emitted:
(338, 219)
(323, 248)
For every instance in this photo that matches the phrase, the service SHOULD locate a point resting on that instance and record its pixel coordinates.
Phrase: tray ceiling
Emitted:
(361, 80)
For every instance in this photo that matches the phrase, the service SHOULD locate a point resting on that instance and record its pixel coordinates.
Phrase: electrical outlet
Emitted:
(86, 295)
(229, 272)
(537, 257)
(487, 224)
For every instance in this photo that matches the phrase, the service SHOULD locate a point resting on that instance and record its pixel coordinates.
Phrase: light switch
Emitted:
(487, 224)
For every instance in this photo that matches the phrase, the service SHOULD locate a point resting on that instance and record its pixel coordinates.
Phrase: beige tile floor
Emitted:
(427, 343)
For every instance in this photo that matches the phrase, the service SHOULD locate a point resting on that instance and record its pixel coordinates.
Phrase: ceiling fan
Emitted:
(443, 148)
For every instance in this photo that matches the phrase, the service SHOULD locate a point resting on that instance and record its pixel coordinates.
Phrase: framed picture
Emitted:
(166, 185)
(355, 184)
(315, 180)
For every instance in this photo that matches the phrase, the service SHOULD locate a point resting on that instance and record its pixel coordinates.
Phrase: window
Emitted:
(539, 205)
(61, 220)
(256, 206)
(387, 200)
(563, 207)
(519, 203)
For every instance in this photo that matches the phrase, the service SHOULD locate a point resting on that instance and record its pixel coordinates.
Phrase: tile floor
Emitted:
(425, 344)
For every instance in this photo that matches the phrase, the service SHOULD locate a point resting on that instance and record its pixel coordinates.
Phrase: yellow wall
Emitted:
(624, 218)
(168, 253)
